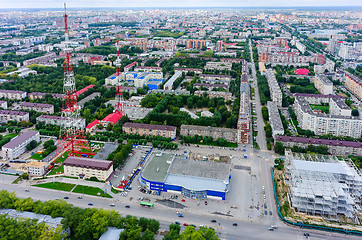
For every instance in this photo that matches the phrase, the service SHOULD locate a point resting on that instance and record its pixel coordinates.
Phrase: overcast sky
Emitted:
(173, 3)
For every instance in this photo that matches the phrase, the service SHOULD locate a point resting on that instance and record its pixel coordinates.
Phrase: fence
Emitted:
(308, 226)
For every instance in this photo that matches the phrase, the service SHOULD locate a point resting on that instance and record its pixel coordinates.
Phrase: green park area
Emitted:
(67, 187)
(58, 164)
(37, 156)
(91, 191)
(323, 108)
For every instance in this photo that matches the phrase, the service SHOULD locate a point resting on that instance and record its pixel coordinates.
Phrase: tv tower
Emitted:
(118, 107)
(72, 137)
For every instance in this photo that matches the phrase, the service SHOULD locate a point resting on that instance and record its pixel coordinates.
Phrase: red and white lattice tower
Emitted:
(118, 107)
(72, 137)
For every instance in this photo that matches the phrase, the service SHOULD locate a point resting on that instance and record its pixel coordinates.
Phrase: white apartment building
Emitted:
(9, 115)
(4, 104)
(17, 145)
(218, 65)
(339, 122)
(38, 107)
(275, 92)
(12, 94)
(88, 167)
(169, 84)
(56, 120)
(274, 119)
(323, 84)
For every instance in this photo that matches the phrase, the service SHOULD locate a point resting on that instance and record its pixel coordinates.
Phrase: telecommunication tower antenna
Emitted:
(118, 107)
(72, 137)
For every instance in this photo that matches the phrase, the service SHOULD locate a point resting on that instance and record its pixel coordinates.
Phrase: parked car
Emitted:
(205, 202)
(235, 224)
(79, 197)
(178, 223)
(127, 206)
(183, 200)
(266, 212)
(185, 224)
(213, 221)
(112, 205)
(270, 213)
(66, 197)
(271, 229)
(180, 215)
(57, 198)
(265, 206)
(90, 204)
(26, 190)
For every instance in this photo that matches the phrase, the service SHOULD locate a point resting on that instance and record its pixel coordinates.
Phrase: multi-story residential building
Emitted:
(339, 122)
(197, 44)
(23, 72)
(228, 134)
(9, 115)
(85, 168)
(323, 84)
(149, 130)
(335, 147)
(353, 84)
(17, 145)
(244, 118)
(88, 98)
(291, 58)
(12, 94)
(274, 119)
(46, 58)
(56, 120)
(169, 84)
(41, 95)
(300, 46)
(211, 86)
(186, 70)
(218, 66)
(38, 107)
(147, 69)
(3, 104)
(275, 92)
(226, 95)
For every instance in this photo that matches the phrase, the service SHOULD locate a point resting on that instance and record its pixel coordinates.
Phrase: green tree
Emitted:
(279, 148)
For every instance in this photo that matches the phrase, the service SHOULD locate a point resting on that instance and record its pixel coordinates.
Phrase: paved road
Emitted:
(260, 138)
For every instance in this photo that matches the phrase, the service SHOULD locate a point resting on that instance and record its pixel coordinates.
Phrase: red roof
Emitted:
(83, 90)
(302, 71)
(92, 124)
(230, 44)
(112, 118)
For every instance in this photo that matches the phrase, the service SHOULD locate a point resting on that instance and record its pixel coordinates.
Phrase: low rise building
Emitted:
(38, 107)
(323, 84)
(150, 130)
(3, 104)
(228, 134)
(17, 145)
(169, 84)
(35, 168)
(335, 147)
(56, 120)
(23, 72)
(86, 168)
(186, 70)
(12, 94)
(10, 115)
(218, 66)
(41, 95)
(274, 119)
(212, 94)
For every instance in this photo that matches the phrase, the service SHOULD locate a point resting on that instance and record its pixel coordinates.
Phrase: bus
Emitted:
(146, 204)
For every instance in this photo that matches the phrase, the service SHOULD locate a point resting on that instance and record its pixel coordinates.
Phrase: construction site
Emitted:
(323, 187)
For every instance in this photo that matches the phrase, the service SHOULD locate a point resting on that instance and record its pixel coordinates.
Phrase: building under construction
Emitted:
(324, 186)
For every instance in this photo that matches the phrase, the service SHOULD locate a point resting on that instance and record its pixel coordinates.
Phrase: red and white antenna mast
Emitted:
(118, 107)
(72, 137)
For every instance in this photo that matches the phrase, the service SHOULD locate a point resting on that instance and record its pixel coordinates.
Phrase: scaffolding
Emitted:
(324, 186)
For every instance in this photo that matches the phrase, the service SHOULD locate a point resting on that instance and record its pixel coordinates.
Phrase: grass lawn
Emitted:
(12, 135)
(114, 191)
(57, 170)
(57, 186)
(37, 156)
(324, 109)
(90, 191)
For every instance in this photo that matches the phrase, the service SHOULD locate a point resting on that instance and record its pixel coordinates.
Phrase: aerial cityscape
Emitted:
(163, 120)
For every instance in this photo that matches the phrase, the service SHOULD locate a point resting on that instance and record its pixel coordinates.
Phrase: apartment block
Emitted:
(3, 104)
(41, 95)
(149, 130)
(195, 44)
(274, 119)
(323, 84)
(353, 84)
(228, 134)
(38, 107)
(85, 168)
(56, 120)
(17, 145)
(12, 94)
(275, 92)
(35, 168)
(218, 66)
(9, 115)
(212, 94)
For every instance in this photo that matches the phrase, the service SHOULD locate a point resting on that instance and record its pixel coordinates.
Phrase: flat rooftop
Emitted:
(157, 166)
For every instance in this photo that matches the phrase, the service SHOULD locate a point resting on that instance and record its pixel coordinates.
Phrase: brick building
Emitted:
(150, 130)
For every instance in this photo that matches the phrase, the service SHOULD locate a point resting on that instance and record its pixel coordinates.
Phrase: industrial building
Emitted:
(17, 145)
(168, 172)
(324, 186)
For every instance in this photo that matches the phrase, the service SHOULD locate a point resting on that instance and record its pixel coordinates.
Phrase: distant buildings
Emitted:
(38, 107)
(218, 66)
(291, 58)
(197, 44)
(149, 130)
(17, 145)
(85, 168)
(244, 118)
(212, 94)
(275, 92)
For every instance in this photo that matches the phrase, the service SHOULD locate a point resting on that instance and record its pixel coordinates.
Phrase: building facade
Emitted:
(149, 130)
(275, 92)
(56, 120)
(228, 134)
(12, 94)
(38, 107)
(323, 84)
(10, 115)
(85, 168)
(17, 145)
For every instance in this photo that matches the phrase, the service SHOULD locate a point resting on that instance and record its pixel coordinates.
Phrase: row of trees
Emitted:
(47, 129)
(203, 140)
(121, 153)
(164, 145)
(190, 232)
(264, 91)
(84, 224)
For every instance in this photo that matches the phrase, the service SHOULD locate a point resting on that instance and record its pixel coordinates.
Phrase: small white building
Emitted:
(17, 145)
(35, 168)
